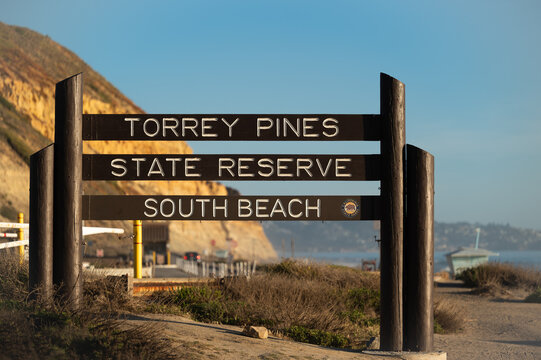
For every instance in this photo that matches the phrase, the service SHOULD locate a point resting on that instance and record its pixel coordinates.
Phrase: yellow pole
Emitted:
(137, 250)
(154, 258)
(168, 257)
(21, 237)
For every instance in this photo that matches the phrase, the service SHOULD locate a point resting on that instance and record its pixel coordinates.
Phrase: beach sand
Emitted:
(497, 327)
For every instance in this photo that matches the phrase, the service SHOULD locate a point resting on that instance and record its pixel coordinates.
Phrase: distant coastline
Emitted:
(353, 259)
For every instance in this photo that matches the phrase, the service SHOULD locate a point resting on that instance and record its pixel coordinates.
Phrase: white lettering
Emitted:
(296, 130)
(173, 128)
(155, 122)
(221, 166)
(242, 167)
(244, 204)
(230, 126)
(131, 120)
(261, 126)
(216, 207)
(173, 165)
(326, 125)
(168, 201)
(290, 206)
(282, 167)
(339, 167)
(148, 206)
(267, 164)
(188, 167)
(138, 165)
(186, 126)
(155, 162)
(324, 172)
(119, 166)
(205, 127)
(202, 202)
(306, 127)
(306, 167)
(185, 215)
(315, 207)
(278, 208)
(259, 206)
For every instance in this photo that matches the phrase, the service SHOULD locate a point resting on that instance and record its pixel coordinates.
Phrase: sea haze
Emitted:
(361, 236)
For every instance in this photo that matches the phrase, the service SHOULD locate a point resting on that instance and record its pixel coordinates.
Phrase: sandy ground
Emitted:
(500, 327)
(196, 340)
(496, 328)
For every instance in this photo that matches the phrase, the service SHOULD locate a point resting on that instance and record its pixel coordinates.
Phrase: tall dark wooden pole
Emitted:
(67, 230)
(392, 104)
(419, 251)
(40, 253)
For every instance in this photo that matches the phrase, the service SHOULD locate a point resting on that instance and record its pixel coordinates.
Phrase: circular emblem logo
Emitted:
(350, 208)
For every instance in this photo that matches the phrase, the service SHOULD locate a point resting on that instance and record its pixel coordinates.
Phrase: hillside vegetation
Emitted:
(30, 66)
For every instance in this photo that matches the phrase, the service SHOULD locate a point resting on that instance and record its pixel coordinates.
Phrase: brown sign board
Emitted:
(231, 167)
(259, 208)
(219, 127)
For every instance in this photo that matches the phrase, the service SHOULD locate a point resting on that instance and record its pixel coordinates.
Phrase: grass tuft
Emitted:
(448, 316)
(494, 277)
(32, 328)
(315, 336)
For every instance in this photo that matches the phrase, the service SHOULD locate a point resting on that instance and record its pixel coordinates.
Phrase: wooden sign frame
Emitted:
(388, 127)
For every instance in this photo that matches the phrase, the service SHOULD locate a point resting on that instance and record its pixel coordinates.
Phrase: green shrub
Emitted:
(202, 302)
(438, 329)
(363, 298)
(500, 275)
(187, 296)
(360, 318)
(317, 337)
(534, 297)
(43, 318)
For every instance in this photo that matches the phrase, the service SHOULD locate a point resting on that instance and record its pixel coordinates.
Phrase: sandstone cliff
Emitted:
(30, 65)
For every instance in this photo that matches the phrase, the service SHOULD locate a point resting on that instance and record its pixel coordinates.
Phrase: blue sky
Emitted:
(471, 69)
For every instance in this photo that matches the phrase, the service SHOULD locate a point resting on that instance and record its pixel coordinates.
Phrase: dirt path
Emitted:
(215, 341)
(495, 329)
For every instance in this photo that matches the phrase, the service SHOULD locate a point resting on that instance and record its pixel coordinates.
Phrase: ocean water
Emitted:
(353, 259)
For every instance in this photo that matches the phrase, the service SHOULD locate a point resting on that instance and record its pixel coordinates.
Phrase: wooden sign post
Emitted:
(392, 105)
(40, 250)
(419, 252)
(68, 189)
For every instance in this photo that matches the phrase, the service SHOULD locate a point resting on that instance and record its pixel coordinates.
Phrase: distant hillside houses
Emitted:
(362, 236)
